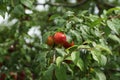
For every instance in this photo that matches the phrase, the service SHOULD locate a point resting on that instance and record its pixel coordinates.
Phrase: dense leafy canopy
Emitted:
(92, 25)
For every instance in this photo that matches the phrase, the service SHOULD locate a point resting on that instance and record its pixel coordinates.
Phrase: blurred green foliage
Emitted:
(93, 25)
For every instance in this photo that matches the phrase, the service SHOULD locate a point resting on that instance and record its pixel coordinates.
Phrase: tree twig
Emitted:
(104, 4)
(63, 4)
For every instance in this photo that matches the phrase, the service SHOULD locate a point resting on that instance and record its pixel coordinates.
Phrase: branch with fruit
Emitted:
(59, 38)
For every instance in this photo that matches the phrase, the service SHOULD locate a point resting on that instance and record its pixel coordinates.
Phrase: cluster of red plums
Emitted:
(59, 38)
(14, 76)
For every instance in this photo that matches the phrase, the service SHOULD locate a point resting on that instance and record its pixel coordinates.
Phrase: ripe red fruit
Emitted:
(2, 76)
(21, 75)
(59, 38)
(50, 41)
(67, 45)
(13, 75)
(72, 44)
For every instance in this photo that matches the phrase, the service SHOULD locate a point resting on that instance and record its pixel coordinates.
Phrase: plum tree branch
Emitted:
(104, 4)
(63, 4)
(75, 4)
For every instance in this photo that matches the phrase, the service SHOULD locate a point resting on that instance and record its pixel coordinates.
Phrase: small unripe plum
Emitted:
(59, 38)
(50, 41)
(67, 45)
(72, 44)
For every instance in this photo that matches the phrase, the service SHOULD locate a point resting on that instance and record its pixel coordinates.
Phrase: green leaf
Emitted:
(76, 19)
(60, 72)
(103, 48)
(70, 49)
(27, 3)
(113, 9)
(2, 13)
(28, 58)
(85, 31)
(53, 17)
(100, 58)
(84, 47)
(68, 25)
(115, 38)
(95, 20)
(100, 75)
(48, 73)
(96, 55)
(59, 21)
(42, 46)
(3, 9)
(59, 60)
(77, 35)
(93, 17)
(103, 60)
(69, 38)
(69, 68)
(69, 13)
(75, 56)
(60, 51)
(19, 10)
(41, 58)
(107, 30)
(80, 64)
(114, 25)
